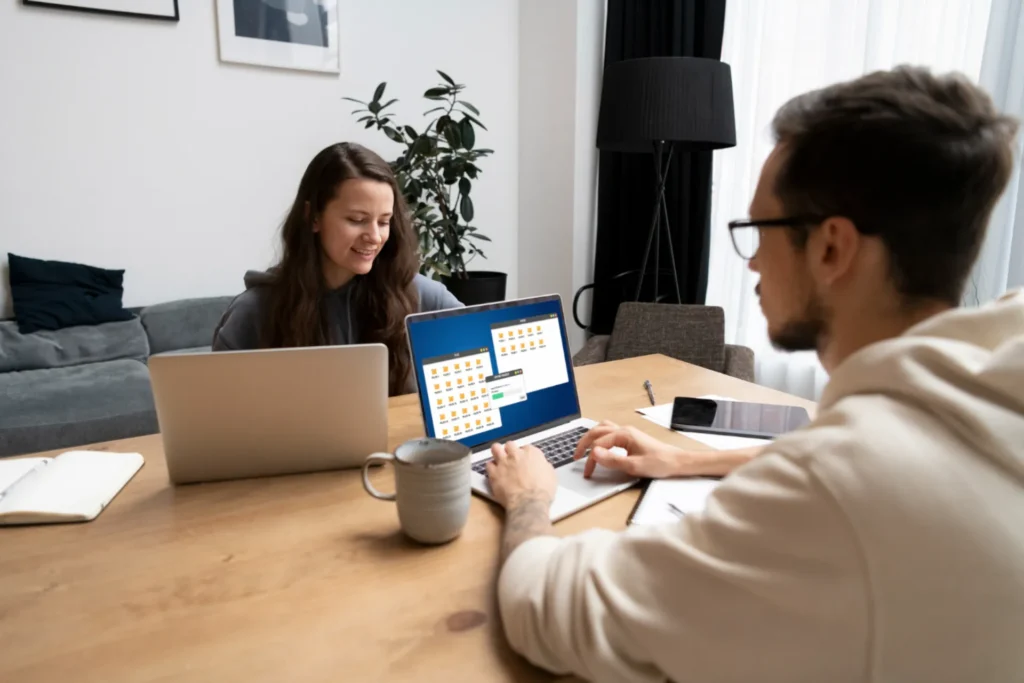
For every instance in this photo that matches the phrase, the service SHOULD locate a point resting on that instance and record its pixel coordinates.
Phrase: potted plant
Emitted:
(435, 172)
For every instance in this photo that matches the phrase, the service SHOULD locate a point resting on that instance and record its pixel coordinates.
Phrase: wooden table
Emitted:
(297, 578)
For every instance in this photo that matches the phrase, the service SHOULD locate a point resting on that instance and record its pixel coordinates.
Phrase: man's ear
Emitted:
(833, 248)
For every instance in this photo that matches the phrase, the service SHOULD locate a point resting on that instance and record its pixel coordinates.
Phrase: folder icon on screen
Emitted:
(541, 342)
(531, 343)
(488, 418)
(472, 394)
(451, 399)
(454, 413)
(501, 335)
(433, 371)
(523, 345)
(444, 432)
(503, 349)
(479, 361)
(520, 333)
(467, 426)
(437, 387)
(467, 364)
(479, 422)
(481, 377)
(446, 368)
(459, 381)
(439, 401)
(486, 405)
(456, 429)
(462, 397)
(448, 384)
(465, 411)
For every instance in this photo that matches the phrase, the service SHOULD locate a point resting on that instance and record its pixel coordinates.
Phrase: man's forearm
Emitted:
(715, 463)
(526, 517)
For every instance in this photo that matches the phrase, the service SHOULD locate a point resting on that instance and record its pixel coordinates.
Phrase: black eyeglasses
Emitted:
(747, 247)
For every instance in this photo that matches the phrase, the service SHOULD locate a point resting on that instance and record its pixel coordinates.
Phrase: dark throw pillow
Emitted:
(50, 295)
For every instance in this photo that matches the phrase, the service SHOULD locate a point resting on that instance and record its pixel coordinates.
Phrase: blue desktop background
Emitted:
(438, 337)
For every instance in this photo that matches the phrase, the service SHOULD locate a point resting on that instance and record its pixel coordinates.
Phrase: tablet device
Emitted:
(737, 418)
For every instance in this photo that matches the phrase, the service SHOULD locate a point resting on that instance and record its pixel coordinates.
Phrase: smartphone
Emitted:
(736, 418)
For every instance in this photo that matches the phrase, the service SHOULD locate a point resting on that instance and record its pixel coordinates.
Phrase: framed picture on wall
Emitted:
(288, 34)
(147, 9)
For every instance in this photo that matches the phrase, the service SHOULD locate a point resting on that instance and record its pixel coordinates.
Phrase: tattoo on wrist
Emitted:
(526, 517)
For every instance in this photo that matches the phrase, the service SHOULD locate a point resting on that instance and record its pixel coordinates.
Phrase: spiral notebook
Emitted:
(72, 487)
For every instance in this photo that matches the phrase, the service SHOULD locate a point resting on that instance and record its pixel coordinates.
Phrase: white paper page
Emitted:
(13, 469)
(75, 485)
(662, 415)
(668, 500)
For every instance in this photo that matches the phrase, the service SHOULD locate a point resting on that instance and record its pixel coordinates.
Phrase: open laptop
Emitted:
(502, 372)
(234, 414)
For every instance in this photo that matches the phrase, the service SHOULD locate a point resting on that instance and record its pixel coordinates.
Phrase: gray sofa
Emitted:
(80, 385)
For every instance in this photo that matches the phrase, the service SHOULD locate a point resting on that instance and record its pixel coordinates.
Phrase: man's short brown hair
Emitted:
(916, 159)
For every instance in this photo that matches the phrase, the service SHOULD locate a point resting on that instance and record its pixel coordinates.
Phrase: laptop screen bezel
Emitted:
(498, 305)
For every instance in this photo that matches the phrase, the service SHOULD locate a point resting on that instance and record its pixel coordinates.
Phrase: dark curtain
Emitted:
(653, 28)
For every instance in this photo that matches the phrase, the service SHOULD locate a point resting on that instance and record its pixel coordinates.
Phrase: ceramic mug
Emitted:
(431, 487)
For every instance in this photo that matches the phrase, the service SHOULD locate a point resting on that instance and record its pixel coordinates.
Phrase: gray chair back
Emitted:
(690, 333)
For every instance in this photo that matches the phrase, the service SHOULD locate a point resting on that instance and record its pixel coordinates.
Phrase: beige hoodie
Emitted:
(884, 542)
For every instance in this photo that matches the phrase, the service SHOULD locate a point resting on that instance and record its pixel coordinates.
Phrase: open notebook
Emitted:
(72, 487)
(669, 500)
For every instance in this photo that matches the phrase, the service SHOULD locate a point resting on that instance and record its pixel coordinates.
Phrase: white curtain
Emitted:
(1001, 265)
(781, 48)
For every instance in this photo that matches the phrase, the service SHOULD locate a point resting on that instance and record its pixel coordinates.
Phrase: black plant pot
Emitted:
(478, 287)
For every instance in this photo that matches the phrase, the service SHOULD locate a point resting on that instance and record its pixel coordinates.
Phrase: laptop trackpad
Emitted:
(571, 477)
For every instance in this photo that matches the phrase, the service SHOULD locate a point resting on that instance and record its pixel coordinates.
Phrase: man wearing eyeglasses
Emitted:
(885, 541)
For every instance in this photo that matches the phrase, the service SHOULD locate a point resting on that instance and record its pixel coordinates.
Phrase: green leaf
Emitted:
(471, 171)
(464, 186)
(389, 103)
(375, 107)
(478, 236)
(452, 135)
(393, 134)
(470, 107)
(447, 78)
(411, 132)
(352, 99)
(466, 208)
(467, 134)
(363, 118)
(436, 93)
(434, 97)
(379, 91)
(368, 124)
(431, 111)
(477, 122)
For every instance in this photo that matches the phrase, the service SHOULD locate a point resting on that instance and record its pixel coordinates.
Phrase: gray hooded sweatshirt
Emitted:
(239, 328)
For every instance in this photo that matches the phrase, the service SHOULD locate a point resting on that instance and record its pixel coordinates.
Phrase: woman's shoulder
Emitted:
(433, 295)
(239, 327)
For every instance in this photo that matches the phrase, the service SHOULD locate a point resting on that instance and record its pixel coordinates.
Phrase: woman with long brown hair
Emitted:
(348, 268)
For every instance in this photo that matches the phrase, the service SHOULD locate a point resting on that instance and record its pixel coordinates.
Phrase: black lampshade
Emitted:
(684, 100)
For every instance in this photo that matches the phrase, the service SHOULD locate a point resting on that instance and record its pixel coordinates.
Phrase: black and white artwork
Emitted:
(146, 9)
(290, 34)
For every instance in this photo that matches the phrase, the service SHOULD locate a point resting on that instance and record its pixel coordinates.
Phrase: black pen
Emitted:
(650, 390)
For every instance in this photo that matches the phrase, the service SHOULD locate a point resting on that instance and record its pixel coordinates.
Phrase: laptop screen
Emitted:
(491, 371)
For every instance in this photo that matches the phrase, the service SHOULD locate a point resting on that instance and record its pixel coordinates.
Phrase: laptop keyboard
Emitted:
(558, 449)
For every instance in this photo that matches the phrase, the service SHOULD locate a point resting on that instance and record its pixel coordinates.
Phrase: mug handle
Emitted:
(376, 459)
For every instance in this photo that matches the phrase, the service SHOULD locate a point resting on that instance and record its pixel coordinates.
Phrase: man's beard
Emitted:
(805, 333)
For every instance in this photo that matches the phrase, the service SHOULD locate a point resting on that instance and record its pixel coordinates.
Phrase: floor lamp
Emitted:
(659, 105)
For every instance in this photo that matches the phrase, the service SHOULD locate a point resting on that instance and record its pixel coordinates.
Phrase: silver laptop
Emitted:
(503, 372)
(234, 414)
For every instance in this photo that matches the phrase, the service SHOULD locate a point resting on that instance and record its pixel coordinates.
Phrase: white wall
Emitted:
(126, 143)
(559, 91)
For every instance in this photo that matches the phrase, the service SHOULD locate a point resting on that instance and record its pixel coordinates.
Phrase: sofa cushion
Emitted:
(71, 345)
(183, 324)
(65, 407)
(50, 295)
